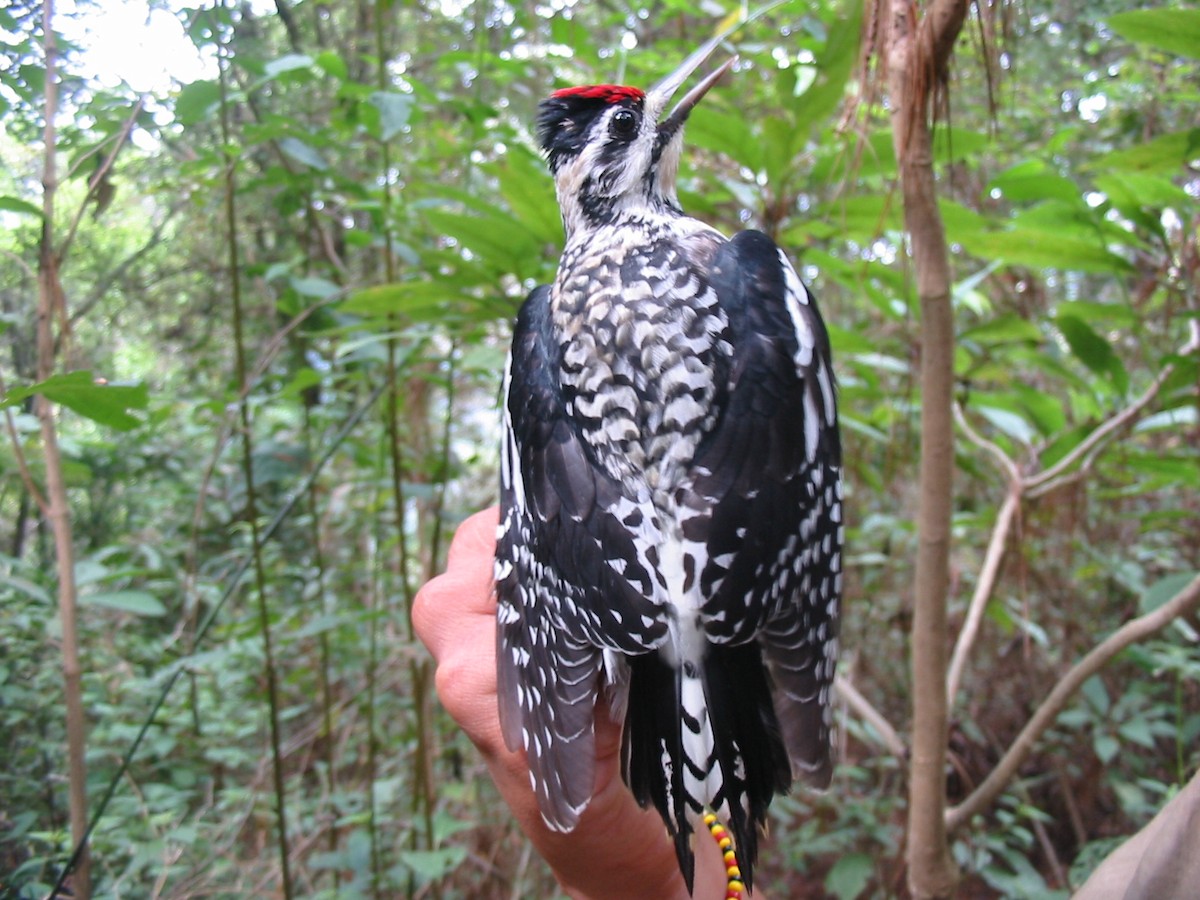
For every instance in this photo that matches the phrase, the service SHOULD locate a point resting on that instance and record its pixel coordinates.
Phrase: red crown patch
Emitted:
(609, 93)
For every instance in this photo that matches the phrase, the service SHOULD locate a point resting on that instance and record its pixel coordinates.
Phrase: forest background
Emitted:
(251, 332)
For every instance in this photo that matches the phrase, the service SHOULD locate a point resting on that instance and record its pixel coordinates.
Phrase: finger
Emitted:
(466, 679)
(475, 538)
(447, 606)
(466, 587)
(426, 612)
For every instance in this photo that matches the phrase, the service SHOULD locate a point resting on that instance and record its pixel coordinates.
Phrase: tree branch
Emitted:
(1128, 634)
(1042, 482)
(1007, 466)
(99, 175)
(871, 716)
(983, 589)
(96, 294)
(19, 454)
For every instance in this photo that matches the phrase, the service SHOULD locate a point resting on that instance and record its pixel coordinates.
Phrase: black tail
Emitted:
(735, 718)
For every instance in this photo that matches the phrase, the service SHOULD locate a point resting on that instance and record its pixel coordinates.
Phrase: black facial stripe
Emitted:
(565, 124)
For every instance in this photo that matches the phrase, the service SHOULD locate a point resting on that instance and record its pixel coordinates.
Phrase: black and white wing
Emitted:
(569, 584)
(771, 473)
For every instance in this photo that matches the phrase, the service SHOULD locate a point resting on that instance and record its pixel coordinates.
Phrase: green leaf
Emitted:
(332, 64)
(24, 586)
(289, 62)
(1092, 350)
(16, 205)
(530, 194)
(778, 139)
(415, 300)
(1067, 218)
(1173, 30)
(1045, 409)
(1037, 248)
(195, 100)
(1133, 190)
(850, 876)
(320, 288)
(881, 362)
(1006, 421)
(1164, 155)
(1090, 311)
(863, 218)
(727, 134)
(302, 153)
(967, 295)
(1096, 694)
(952, 144)
(961, 222)
(107, 404)
(1178, 417)
(430, 865)
(321, 624)
(139, 603)
(1137, 731)
(1163, 590)
(483, 358)
(854, 156)
(304, 379)
(394, 111)
(496, 238)
(1106, 747)
(1006, 329)
(445, 826)
(1165, 471)
(1034, 180)
(812, 107)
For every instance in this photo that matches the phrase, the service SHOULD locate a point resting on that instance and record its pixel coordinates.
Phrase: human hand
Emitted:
(618, 850)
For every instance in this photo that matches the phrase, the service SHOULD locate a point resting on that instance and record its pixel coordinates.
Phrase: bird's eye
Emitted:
(624, 123)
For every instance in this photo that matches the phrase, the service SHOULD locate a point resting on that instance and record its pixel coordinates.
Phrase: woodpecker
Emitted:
(670, 536)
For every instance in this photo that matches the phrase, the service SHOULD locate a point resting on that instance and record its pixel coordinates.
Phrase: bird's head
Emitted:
(614, 150)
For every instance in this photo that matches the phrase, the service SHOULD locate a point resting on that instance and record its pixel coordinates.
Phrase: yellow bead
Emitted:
(709, 818)
(730, 858)
(725, 843)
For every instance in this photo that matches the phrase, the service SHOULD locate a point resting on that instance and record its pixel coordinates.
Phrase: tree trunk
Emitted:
(917, 49)
(57, 512)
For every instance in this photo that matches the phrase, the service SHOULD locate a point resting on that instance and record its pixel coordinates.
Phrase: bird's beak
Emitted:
(660, 95)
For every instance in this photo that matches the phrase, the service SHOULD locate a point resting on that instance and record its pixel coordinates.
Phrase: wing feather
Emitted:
(771, 470)
(568, 580)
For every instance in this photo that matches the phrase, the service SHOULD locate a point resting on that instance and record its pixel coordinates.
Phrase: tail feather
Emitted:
(652, 750)
(749, 745)
(705, 737)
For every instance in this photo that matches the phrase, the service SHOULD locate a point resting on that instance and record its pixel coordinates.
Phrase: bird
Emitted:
(670, 534)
